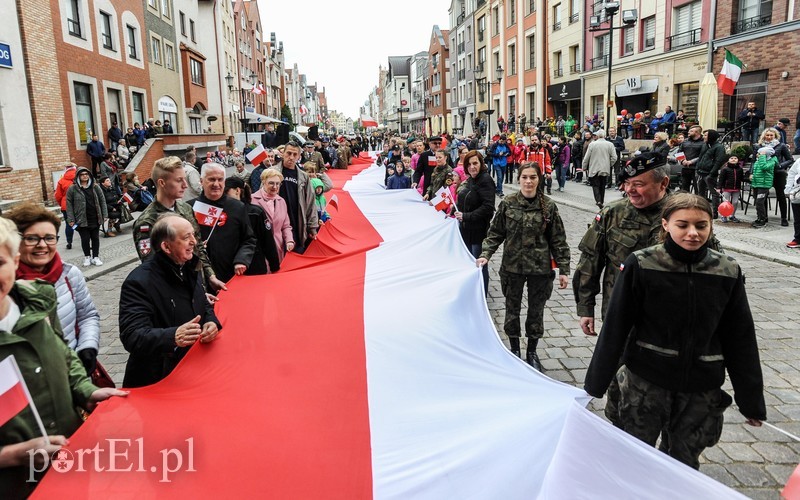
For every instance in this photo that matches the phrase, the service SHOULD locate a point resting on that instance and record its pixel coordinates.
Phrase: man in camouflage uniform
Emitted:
(438, 176)
(618, 230)
(169, 177)
(344, 153)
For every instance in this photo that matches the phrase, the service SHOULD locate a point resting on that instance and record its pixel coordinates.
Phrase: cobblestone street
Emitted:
(755, 461)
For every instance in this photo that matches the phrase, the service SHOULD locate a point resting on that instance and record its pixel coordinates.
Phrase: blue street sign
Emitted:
(5, 55)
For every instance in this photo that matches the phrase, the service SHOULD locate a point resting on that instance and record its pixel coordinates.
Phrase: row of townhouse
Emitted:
(71, 68)
(546, 58)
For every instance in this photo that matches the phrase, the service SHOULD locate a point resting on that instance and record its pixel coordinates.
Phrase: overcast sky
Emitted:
(339, 45)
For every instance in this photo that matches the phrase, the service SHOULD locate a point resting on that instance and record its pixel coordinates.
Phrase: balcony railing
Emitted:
(481, 2)
(574, 18)
(751, 23)
(558, 72)
(460, 18)
(685, 39)
(479, 68)
(575, 68)
(600, 62)
(557, 26)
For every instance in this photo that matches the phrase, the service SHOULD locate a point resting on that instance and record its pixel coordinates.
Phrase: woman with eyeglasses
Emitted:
(39, 259)
(276, 209)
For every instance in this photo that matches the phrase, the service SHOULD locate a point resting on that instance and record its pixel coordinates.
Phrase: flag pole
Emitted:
(30, 401)
(216, 220)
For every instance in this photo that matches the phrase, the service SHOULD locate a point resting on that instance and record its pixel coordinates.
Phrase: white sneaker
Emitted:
(97, 262)
(87, 261)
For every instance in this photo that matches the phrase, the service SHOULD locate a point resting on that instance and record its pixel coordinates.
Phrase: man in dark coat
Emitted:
(269, 139)
(426, 163)
(224, 225)
(163, 308)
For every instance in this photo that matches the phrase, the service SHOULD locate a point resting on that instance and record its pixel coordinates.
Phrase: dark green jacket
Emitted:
(52, 371)
(76, 203)
(531, 236)
(711, 159)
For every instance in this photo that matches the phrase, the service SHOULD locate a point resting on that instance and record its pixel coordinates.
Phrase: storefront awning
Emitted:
(257, 118)
(566, 91)
(646, 87)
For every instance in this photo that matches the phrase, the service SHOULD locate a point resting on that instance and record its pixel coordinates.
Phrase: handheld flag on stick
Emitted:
(257, 155)
(14, 395)
(443, 201)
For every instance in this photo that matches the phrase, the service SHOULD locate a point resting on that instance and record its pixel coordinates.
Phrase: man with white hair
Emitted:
(224, 225)
(598, 159)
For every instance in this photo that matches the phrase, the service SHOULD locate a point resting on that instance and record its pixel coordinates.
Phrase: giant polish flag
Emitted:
(369, 367)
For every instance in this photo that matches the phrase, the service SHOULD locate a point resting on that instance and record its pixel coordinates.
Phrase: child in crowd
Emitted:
(451, 183)
(320, 201)
(730, 184)
(398, 179)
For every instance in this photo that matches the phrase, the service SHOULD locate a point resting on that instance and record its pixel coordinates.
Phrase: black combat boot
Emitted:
(514, 342)
(531, 357)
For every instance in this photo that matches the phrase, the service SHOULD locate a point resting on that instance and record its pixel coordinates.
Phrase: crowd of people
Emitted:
(206, 220)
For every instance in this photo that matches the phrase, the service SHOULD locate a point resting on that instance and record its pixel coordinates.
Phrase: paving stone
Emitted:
(776, 453)
(759, 493)
(751, 475)
(720, 474)
(740, 452)
(716, 455)
(780, 472)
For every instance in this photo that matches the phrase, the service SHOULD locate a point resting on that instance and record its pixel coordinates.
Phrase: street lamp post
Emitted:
(402, 86)
(629, 19)
(485, 80)
(243, 112)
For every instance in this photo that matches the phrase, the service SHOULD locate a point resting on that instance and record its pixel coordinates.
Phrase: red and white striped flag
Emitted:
(442, 201)
(387, 403)
(13, 394)
(259, 89)
(368, 121)
(127, 198)
(257, 155)
(303, 110)
(206, 215)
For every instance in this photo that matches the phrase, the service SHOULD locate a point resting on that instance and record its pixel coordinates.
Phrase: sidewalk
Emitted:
(114, 252)
(768, 243)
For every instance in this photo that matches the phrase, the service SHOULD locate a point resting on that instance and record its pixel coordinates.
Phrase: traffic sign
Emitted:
(403, 102)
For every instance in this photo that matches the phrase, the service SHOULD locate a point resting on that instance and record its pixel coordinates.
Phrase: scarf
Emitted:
(51, 272)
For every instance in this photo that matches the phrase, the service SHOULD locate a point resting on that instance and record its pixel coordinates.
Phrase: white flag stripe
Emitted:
(453, 414)
(8, 375)
(206, 209)
(731, 71)
(255, 153)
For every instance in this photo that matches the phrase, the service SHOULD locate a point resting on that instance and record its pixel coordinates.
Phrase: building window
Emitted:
(105, 30)
(556, 17)
(752, 86)
(600, 59)
(496, 24)
(628, 37)
(512, 59)
(512, 105)
(132, 51)
(196, 68)
(155, 50)
(182, 18)
(752, 14)
(511, 5)
(84, 111)
(598, 105)
(74, 19)
(558, 68)
(688, 94)
(649, 33)
(153, 4)
(575, 59)
(686, 31)
(481, 27)
(531, 6)
(138, 107)
(191, 29)
(574, 10)
(165, 8)
(169, 56)
(531, 41)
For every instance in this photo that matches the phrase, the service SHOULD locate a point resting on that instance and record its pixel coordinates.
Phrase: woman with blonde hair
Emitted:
(276, 210)
(770, 138)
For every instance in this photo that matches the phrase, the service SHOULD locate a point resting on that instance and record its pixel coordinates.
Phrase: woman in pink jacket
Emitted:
(275, 207)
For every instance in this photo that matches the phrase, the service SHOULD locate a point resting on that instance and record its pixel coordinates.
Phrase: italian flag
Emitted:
(731, 70)
(391, 383)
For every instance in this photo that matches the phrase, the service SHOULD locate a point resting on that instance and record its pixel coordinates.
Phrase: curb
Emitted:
(110, 268)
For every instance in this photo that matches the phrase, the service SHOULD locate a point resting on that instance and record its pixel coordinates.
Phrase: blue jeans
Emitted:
(500, 171)
(68, 231)
(475, 250)
(562, 175)
(797, 140)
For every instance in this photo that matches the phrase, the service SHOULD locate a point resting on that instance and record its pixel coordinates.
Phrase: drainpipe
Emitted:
(219, 67)
(713, 27)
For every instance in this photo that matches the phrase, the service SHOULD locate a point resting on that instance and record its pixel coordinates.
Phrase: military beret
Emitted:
(638, 165)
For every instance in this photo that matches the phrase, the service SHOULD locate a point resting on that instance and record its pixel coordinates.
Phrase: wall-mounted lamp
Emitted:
(785, 75)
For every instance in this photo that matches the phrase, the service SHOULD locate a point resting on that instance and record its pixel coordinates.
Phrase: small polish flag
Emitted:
(443, 200)
(257, 155)
(127, 198)
(259, 89)
(303, 110)
(206, 215)
(368, 121)
(334, 202)
(13, 394)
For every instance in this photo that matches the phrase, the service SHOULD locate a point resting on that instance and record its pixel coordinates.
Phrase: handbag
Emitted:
(101, 378)
(125, 213)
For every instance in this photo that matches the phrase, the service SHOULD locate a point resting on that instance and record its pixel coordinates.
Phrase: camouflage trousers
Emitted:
(540, 287)
(690, 421)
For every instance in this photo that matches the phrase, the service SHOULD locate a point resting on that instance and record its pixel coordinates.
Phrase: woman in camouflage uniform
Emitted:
(535, 243)
(673, 353)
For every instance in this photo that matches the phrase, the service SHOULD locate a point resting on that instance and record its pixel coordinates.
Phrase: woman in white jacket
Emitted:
(792, 191)
(80, 321)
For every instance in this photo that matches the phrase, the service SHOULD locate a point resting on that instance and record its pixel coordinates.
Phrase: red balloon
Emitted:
(638, 115)
(624, 112)
(725, 209)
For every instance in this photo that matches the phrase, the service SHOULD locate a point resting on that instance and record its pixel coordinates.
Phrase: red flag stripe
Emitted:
(12, 402)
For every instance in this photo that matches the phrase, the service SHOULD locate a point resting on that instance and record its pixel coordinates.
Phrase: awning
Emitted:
(257, 118)
(647, 87)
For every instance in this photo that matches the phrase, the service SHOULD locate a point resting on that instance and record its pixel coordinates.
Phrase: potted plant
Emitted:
(724, 124)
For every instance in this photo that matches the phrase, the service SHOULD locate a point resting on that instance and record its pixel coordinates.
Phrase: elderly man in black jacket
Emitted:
(163, 308)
